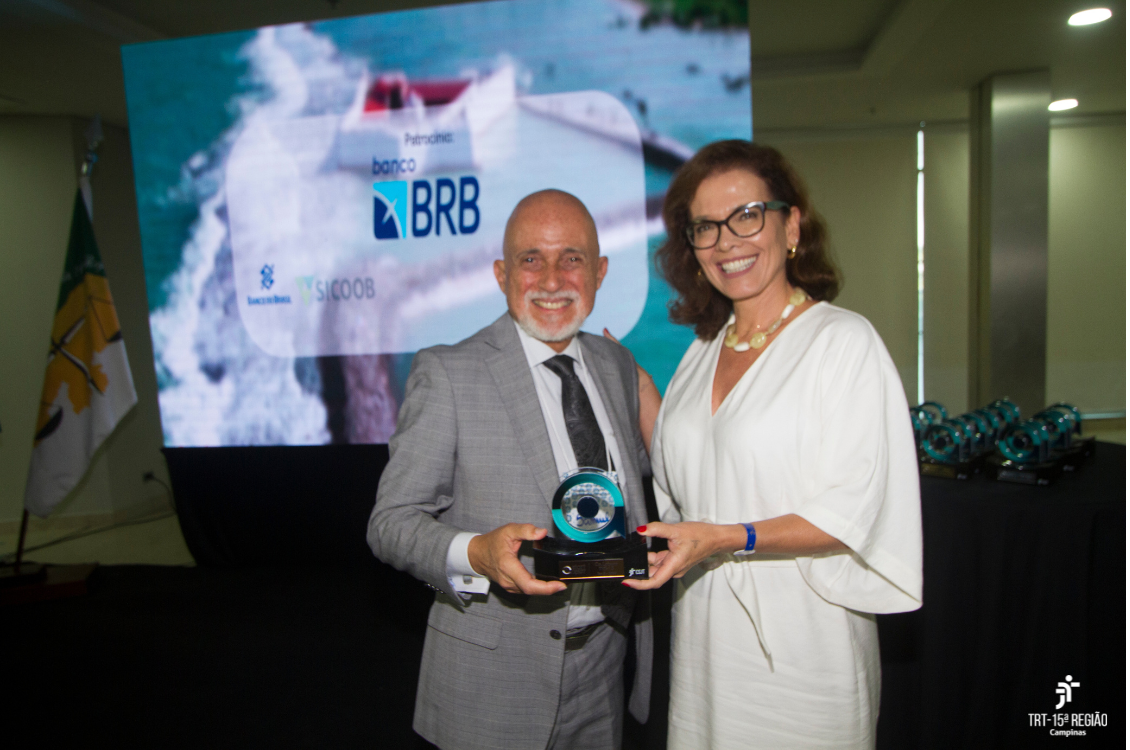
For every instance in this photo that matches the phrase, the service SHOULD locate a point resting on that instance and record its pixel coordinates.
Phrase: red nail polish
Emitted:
(625, 583)
(641, 529)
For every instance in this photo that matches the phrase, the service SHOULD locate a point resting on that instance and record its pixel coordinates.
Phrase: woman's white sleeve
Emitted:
(864, 489)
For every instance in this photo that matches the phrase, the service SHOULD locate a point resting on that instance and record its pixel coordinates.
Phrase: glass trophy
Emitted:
(592, 542)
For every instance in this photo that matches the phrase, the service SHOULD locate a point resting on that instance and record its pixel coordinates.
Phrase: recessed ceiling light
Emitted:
(1063, 104)
(1086, 17)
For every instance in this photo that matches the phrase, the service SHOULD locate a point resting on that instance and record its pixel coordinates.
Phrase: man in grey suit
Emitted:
(486, 430)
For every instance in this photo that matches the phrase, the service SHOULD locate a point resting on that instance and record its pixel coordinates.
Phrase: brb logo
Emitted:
(434, 208)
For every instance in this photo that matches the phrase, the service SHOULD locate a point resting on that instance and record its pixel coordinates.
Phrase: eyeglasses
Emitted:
(744, 222)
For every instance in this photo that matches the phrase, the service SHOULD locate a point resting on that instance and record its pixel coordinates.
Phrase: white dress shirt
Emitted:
(584, 608)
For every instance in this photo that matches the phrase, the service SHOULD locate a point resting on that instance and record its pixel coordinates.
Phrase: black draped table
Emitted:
(1024, 586)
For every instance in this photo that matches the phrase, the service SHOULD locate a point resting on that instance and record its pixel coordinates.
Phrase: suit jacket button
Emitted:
(555, 635)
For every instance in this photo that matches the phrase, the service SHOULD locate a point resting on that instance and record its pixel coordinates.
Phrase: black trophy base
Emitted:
(1004, 470)
(1078, 454)
(928, 467)
(566, 560)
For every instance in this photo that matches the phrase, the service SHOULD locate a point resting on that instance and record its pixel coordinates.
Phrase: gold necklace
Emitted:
(731, 341)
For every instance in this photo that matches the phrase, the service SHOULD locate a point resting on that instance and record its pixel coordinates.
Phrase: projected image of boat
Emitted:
(450, 113)
(423, 126)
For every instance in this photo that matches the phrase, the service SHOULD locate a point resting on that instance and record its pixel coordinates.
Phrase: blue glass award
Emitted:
(592, 541)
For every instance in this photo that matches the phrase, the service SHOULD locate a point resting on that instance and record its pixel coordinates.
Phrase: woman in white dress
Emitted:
(785, 434)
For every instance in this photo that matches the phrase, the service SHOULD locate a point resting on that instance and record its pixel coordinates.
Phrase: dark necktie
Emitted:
(580, 421)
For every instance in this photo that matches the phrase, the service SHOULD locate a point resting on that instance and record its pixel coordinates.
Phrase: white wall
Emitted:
(1086, 360)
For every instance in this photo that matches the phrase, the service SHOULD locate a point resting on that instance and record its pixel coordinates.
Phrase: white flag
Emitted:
(87, 388)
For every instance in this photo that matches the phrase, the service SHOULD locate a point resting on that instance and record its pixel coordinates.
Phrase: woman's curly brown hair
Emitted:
(701, 305)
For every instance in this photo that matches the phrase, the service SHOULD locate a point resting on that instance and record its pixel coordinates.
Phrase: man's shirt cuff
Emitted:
(460, 574)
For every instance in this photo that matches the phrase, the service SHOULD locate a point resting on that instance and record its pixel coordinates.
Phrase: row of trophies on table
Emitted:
(996, 441)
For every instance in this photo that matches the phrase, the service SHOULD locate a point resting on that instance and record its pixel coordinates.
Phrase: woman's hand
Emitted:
(649, 399)
(688, 544)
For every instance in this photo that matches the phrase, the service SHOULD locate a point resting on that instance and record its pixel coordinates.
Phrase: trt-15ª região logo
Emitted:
(1064, 723)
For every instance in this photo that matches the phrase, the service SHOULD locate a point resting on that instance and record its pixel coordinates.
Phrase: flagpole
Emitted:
(19, 580)
(20, 546)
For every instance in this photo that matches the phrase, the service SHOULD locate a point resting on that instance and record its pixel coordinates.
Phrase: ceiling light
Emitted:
(1086, 17)
(1063, 104)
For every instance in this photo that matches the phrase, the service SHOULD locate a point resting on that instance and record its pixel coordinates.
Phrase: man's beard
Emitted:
(561, 333)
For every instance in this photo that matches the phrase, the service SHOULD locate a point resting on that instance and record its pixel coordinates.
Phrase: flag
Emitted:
(87, 388)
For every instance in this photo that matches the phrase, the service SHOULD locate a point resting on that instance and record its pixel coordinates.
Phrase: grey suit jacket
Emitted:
(471, 452)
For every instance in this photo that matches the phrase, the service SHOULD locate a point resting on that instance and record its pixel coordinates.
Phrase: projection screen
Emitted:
(319, 201)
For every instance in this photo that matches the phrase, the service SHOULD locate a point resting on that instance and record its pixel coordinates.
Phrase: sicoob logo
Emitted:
(390, 210)
(436, 207)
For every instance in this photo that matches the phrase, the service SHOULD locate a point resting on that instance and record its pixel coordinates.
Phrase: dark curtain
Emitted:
(276, 505)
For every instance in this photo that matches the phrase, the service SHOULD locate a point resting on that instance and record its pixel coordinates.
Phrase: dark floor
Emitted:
(191, 657)
(163, 657)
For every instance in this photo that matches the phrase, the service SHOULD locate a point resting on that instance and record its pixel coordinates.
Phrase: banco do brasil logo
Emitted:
(438, 206)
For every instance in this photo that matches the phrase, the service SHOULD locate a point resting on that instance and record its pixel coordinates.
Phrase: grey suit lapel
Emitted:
(511, 373)
(608, 380)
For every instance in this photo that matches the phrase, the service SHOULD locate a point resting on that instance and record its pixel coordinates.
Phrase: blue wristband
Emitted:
(750, 540)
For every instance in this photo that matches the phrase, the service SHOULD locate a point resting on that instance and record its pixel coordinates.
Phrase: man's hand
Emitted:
(495, 555)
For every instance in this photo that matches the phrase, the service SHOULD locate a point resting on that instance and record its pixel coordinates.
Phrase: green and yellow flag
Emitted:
(87, 388)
